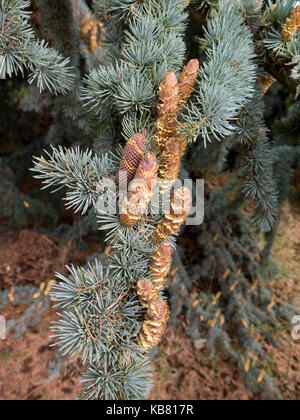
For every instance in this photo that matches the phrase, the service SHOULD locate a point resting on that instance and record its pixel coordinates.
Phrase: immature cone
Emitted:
(160, 265)
(291, 26)
(171, 155)
(173, 220)
(135, 204)
(146, 292)
(187, 81)
(167, 109)
(154, 326)
(133, 154)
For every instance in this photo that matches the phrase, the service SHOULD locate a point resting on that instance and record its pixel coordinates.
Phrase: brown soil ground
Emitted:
(181, 371)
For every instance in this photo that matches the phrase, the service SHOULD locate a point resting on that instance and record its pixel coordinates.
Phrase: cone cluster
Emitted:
(187, 81)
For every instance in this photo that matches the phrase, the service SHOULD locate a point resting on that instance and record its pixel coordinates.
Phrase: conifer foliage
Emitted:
(21, 51)
(123, 93)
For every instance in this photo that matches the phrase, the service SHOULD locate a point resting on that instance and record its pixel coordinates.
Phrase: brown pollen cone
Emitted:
(146, 292)
(160, 265)
(135, 204)
(173, 220)
(154, 326)
(291, 26)
(132, 208)
(167, 109)
(187, 81)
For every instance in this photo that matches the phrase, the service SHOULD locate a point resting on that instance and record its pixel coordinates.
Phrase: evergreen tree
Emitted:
(262, 162)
